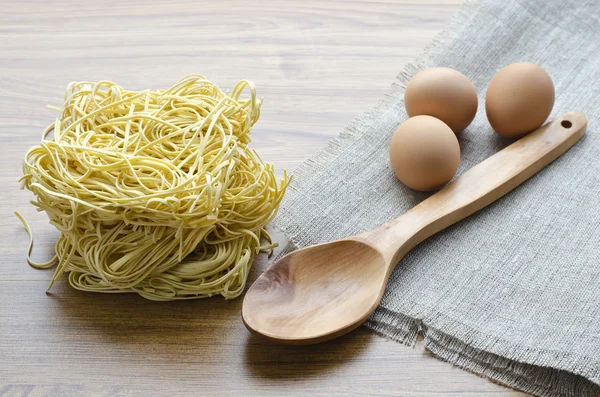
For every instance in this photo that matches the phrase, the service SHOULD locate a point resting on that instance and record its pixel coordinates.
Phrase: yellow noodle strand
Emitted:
(44, 265)
(154, 192)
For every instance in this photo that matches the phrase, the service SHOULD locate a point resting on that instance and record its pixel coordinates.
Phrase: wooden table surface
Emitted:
(317, 64)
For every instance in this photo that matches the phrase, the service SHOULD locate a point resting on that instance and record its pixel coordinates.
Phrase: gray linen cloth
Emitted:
(513, 292)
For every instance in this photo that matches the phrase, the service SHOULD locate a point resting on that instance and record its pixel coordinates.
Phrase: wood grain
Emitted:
(317, 64)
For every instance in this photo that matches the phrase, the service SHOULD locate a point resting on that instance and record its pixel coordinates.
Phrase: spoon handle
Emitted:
(479, 186)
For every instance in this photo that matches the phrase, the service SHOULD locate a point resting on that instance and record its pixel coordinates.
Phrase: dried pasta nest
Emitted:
(155, 192)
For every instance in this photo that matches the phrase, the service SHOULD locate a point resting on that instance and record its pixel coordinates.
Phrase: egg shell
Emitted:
(424, 153)
(443, 93)
(519, 99)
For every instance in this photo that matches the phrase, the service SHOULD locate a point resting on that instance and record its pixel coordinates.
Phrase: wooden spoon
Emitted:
(321, 292)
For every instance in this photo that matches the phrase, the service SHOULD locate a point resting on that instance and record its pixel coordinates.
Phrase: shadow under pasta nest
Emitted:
(128, 320)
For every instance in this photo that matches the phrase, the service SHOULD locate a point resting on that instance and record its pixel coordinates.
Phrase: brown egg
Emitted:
(519, 99)
(424, 153)
(442, 93)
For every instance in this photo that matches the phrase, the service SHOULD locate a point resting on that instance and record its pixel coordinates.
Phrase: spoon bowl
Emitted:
(331, 281)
